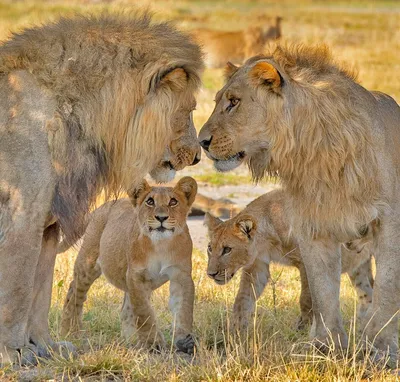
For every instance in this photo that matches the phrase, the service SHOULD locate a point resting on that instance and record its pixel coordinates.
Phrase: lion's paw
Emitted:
(186, 344)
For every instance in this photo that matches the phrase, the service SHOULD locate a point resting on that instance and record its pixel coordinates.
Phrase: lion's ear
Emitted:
(137, 194)
(188, 186)
(247, 226)
(229, 70)
(211, 221)
(265, 74)
(175, 79)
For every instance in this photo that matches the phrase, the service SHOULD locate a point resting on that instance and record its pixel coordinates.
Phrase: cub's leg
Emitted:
(322, 260)
(382, 315)
(181, 304)
(139, 290)
(252, 284)
(128, 327)
(361, 279)
(306, 312)
(86, 271)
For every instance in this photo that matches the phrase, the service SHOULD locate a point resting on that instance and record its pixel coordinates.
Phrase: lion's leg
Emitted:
(322, 260)
(143, 315)
(306, 312)
(252, 285)
(127, 321)
(360, 278)
(181, 302)
(382, 315)
(86, 271)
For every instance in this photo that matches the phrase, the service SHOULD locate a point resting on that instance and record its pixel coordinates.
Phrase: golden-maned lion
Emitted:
(335, 145)
(87, 104)
(259, 235)
(235, 46)
(138, 250)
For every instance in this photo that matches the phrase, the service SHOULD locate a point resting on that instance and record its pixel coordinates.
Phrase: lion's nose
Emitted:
(205, 143)
(161, 218)
(196, 160)
(212, 274)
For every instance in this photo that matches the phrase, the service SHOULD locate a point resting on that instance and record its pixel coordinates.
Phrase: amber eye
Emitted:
(150, 202)
(226, 250)
(232, 103)
(173, 202)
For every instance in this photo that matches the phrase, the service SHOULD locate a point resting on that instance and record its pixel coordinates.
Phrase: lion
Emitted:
(235, 46)
(335, 146)
(222, 208)
(139, 244)
(260, 234)
(88, 104)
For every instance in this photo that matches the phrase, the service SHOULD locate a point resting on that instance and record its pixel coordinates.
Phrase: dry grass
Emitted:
(364, 33)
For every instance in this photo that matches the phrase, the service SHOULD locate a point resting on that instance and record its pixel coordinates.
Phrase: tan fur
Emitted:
(335, 146)
(87, 104)
(222, 208)
(123, 242)
(235, 46)
(267, 239)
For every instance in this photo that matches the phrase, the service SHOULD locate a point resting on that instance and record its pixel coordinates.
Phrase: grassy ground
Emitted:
(364, 33)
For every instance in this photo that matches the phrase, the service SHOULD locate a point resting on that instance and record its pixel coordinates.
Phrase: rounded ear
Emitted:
(188, 186)
(211, 222)
(175, 79)
(229, 70)
(137, 194)
(247, 226)
(265, 74)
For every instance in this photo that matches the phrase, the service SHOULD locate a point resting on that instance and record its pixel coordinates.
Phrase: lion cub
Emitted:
(139, 244)
(260, 234)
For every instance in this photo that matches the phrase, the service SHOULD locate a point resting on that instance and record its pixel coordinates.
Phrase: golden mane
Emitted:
(112, 122)
(322, 146)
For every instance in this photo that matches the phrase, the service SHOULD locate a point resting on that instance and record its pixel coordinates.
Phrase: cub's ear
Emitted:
(137, 194)
(211, 222)
(229, 70)
(188, 186)
(247, 226)
(175, 79)
(265, 74)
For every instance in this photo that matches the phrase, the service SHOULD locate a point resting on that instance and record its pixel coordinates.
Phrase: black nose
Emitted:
(205, 144)
(212, 274)
(196, 160)
(161, 218)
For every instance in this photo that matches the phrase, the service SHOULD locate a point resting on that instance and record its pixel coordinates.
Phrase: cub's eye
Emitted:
(209, 249)
(173, 202)
(232, 103)
(150, 202)
(226, 250)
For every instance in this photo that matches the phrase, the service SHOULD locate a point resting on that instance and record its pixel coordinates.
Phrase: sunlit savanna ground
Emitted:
(366, 34)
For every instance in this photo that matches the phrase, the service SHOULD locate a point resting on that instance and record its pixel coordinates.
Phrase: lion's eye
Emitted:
(150, 202)
(209, 249)
(232, 103)
(226, 250)
(173, 202)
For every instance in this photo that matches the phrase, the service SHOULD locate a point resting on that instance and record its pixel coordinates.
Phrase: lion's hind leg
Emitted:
(86, 271)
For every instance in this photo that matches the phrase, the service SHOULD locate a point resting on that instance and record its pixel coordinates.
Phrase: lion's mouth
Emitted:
(161, 229)
(229, 163)
(223, 280)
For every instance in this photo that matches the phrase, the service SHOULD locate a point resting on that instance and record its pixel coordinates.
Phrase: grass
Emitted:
(363, 33)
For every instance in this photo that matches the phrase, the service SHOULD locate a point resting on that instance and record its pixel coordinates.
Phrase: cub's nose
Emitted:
(205, 143)
(196, 160)
(212, 274)
(161, 218)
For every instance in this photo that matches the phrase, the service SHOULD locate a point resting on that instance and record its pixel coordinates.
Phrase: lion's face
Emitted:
(183, 151)
(229, 246)
(162, 211)
(236, 131)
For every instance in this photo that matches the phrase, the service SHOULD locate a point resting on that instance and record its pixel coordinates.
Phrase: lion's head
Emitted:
(183, 151)
(229, 246)
(162, 211)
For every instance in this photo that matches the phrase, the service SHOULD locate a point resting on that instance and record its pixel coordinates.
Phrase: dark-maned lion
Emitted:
(88, 103)
(336, 147)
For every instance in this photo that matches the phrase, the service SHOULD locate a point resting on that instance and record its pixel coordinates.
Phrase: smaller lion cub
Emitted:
(260, 234)
(139, 244)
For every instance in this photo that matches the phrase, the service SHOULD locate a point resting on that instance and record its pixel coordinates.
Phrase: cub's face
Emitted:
(162, 211)
(229, 246)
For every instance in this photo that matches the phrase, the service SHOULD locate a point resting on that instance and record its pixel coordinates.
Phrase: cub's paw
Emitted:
(186, 344)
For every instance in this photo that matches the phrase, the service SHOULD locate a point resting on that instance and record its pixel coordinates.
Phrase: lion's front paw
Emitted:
(186, 344)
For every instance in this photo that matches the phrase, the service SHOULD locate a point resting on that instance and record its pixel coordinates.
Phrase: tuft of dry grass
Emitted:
(366, 34)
